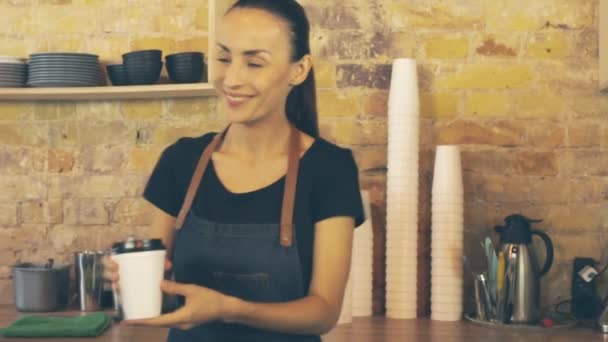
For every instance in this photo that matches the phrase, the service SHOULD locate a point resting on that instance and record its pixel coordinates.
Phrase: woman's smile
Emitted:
(236, 100)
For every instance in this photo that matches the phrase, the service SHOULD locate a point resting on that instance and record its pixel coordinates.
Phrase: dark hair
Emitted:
(301, 108)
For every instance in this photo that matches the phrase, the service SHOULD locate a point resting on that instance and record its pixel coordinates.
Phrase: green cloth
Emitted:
(91, 325)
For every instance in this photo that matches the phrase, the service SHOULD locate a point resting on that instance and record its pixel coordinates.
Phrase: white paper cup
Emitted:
(446, 246)
(442, 226)
(401, 297)
(447, 172)
(405, 313)
(451, 216)
(446, 307)
(140, 276)
(406, 137)
(398, 231)
(402, 260)
(445, 217)
(447, 289)
(447, 316)
(446, 272)
(446, 251)
(402, 244)
(401, 278)
(402, 219)
(398, 183)
(400, 305)
(396, 298)
(445, 279)
(403, 92)
(446, 235)
(404, 229)
(405, 114)
(447, 207)
(403, 127)
(402, 284)
(397, 268)
(409, 290)
(406, 141)
(439, 298)
(406, 208)
(449, 267)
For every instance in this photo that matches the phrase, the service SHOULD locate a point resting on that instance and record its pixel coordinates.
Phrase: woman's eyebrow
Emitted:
(247, 52)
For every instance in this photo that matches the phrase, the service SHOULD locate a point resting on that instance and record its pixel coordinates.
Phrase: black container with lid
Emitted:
(132, 245)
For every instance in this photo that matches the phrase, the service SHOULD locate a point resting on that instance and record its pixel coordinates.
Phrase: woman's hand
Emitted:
(202, 305)
(110, 271)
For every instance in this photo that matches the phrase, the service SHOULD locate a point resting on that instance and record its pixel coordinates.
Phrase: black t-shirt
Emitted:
(328, 186)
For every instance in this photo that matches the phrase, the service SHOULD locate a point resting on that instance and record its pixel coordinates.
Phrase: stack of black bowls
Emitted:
(143, 67)
(187, 67)
(118, 74)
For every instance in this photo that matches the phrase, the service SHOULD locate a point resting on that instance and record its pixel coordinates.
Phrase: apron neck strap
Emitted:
(287, 208)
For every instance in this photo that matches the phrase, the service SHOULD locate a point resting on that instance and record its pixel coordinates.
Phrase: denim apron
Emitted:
(255, 262)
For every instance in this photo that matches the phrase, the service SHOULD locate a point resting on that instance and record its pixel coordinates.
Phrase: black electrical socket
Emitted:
(586, 303)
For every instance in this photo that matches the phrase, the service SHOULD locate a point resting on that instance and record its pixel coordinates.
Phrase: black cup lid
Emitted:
(133, 245)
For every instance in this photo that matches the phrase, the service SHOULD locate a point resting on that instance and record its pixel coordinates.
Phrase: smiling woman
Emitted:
(258, 218)
(278, 74)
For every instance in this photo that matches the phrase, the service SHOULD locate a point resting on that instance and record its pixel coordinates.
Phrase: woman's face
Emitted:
(253, 67)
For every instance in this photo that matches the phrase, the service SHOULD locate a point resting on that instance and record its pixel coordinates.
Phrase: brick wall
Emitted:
(513, 82)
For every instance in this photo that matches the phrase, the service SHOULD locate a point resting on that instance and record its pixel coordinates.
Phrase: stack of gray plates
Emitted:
(13, 72)
(63, 70)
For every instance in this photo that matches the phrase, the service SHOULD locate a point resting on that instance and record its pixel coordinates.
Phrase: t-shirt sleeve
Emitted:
(336, 190)
(161, 189)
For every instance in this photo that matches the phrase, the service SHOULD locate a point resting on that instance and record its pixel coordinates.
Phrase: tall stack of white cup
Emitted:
(346, 312)
(363, 262)
(402, 191)
(447, 225)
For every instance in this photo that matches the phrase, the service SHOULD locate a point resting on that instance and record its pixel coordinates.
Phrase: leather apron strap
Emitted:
(289, 195)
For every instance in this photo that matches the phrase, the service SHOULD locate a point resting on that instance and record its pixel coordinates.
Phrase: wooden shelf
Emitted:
(156, 91)
(603, 35)
(109, 92)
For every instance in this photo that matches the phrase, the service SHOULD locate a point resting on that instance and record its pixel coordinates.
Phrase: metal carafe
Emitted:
(519, 293)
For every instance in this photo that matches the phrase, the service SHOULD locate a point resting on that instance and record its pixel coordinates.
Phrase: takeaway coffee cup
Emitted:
(141, 270)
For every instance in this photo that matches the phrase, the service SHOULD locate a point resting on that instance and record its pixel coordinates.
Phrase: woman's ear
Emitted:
(300, 70)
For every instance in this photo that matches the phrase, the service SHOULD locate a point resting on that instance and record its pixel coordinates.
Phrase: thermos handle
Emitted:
(549, 247)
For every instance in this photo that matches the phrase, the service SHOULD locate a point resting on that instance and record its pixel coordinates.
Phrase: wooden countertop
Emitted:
(376, 329)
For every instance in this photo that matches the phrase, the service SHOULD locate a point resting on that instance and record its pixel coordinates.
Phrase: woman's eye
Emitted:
(223, 60)
(254, 65)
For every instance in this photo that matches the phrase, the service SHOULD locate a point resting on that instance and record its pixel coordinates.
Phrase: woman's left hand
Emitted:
(202, 305)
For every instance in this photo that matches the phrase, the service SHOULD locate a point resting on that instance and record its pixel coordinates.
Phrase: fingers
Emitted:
(171, 287)
(168, 265)
(110, 270)
(177, 318)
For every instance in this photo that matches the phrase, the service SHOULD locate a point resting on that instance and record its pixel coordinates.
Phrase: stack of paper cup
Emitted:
(447, 235)
(402, 191)
(363, 260)
(346, 313)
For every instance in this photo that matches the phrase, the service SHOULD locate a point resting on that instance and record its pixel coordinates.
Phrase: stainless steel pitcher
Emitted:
(89, 279)
(519, 297)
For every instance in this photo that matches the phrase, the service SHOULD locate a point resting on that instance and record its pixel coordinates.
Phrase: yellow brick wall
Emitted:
(513, 82)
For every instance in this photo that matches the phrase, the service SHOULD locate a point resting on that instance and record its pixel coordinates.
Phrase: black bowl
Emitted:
(118, 74)
(191, 73)
(185, 55)
(145, 75)
(142, 63)
(156, 54)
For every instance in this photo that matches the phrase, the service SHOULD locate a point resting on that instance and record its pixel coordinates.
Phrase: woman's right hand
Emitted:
(110, 271)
